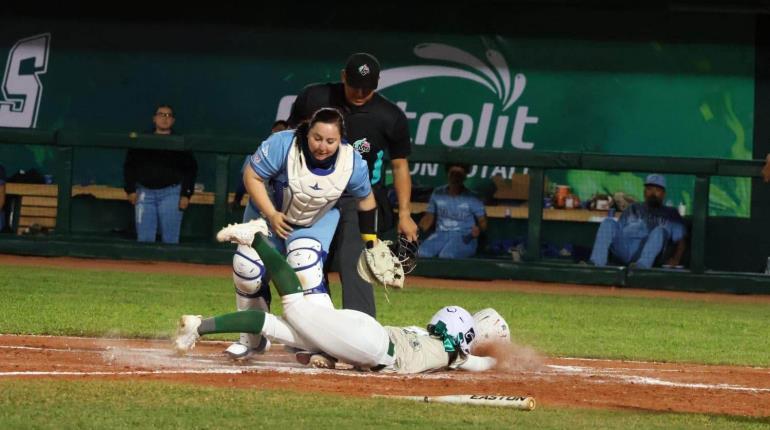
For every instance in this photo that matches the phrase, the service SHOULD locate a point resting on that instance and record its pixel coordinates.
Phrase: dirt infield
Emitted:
(556, 382)
(553, 381)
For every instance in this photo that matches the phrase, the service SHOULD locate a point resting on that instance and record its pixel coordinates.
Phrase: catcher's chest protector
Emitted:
(308, 195)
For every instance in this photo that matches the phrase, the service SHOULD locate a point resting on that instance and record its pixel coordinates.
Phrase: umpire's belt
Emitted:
(391, 353)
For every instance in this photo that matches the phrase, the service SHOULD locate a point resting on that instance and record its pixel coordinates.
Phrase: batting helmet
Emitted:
(454, 326)
(490, 326)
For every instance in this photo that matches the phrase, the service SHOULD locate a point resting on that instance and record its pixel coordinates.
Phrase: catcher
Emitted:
(305, 170)
(353, 337)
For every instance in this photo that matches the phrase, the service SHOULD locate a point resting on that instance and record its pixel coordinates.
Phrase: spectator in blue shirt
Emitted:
(643, 231)
(459, 216)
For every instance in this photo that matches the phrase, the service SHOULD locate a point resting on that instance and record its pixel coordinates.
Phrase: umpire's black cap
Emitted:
(362, 70)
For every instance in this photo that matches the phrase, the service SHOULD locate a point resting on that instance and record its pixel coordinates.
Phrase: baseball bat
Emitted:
(515, 402)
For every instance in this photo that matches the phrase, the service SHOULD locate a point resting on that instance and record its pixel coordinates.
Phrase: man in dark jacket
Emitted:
(159, 183)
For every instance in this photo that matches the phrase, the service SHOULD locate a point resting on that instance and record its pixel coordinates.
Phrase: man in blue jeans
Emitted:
(643, 231)
(459, 215)
(159, 183)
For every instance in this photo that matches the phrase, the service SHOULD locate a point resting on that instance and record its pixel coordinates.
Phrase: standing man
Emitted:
(159, 183)
(374, 125)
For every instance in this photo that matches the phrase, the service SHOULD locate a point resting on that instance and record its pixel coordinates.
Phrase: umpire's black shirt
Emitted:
(377, 126)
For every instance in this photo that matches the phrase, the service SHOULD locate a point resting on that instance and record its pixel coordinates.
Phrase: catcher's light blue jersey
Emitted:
(270, 160)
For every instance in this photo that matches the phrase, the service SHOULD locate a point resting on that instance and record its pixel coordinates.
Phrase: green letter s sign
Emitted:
(22, 89)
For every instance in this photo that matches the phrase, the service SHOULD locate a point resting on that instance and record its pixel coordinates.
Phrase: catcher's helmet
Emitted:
(455, 326)
(406, 252)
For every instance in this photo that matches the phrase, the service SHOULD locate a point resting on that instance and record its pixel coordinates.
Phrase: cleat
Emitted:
(238, 351)
(187, 333)
(243, 234)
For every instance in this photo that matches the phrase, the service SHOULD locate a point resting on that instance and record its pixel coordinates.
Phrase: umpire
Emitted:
(374, 124)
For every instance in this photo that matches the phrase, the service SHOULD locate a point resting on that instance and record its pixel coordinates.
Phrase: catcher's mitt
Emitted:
(379, 266)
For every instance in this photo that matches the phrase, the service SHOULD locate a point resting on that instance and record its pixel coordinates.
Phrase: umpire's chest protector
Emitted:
(310, 195)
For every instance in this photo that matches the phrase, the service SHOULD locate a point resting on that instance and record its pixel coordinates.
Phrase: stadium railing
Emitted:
(65, 142)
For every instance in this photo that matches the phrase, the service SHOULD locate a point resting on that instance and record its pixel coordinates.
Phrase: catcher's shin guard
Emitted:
(306, 257)
(248, 271)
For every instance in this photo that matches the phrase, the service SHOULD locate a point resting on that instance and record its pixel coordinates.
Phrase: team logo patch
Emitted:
(363, 70)
(257, 158)
(362, 146)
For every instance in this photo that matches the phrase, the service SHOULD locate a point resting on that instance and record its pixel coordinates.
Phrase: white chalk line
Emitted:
(37, 348)
(614, 373)
(294, 369)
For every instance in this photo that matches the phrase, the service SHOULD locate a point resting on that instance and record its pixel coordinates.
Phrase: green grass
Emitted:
(118, 405)
(91, 303)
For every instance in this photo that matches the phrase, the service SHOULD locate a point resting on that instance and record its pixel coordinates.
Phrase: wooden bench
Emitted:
(38, 205)
(39, 201)
(522, 212)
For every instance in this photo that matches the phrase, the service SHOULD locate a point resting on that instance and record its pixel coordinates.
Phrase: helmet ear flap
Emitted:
(406, 252)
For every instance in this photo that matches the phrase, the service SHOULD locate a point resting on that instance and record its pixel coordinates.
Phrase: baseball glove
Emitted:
(378, 265)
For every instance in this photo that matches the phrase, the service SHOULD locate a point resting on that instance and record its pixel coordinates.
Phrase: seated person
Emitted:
(643, 231)
(2, 198)
(459, 215)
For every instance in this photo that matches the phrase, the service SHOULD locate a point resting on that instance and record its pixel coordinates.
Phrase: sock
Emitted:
(251, 321)
(283, 276)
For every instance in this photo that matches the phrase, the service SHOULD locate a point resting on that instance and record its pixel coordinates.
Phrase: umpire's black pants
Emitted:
(346, 247)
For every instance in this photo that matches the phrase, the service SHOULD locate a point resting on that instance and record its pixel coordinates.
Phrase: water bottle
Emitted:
(767, 267)
(682, 209)
(507, 212)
